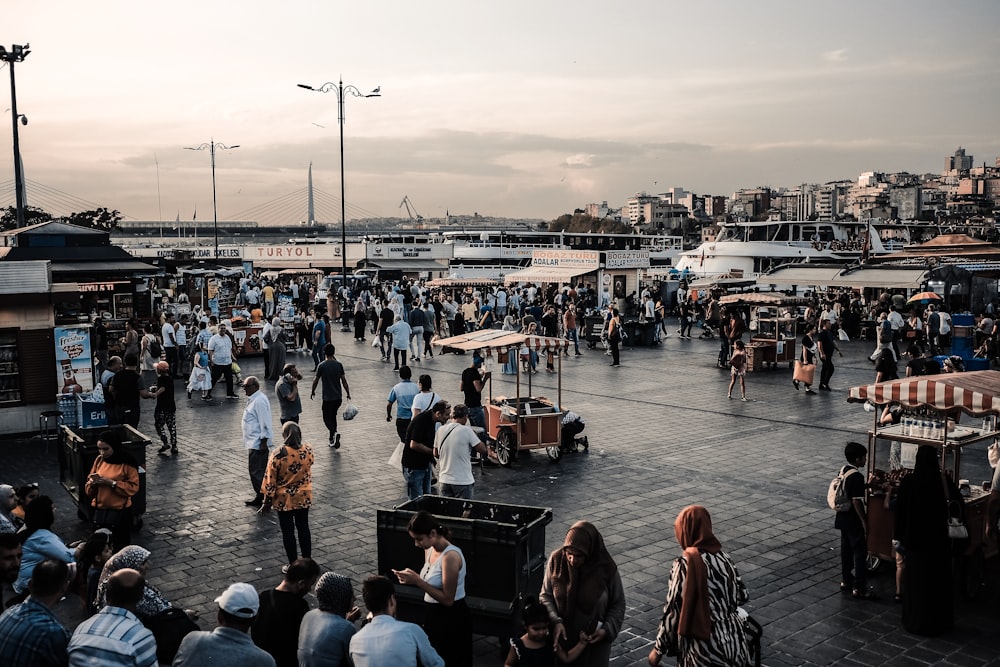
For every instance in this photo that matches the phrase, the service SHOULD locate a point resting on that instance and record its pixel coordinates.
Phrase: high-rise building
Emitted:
(958, 162)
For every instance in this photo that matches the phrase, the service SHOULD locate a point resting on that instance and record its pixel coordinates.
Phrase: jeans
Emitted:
(416, 336)
(173, 359)
(477, 416)
(291, 521)
(330, 409)
(257, 464)
(418, 482)
(399, 357)
(571, 334)
(826, 372)
(463, 491)
(317, 353)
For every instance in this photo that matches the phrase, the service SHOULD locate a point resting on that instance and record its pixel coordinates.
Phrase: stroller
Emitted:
(570, 438)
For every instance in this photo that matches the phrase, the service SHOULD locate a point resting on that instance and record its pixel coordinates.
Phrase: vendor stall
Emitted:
(932, 409)
(773, 317)
(519, 422)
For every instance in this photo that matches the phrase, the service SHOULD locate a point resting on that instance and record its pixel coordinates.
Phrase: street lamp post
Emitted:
(212, 146)
(16, 54)
(340, 89)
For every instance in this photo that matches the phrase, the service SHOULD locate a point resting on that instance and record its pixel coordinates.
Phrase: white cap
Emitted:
(240, 600)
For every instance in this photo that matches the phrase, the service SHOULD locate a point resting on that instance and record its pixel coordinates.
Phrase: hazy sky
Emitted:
(508, 109)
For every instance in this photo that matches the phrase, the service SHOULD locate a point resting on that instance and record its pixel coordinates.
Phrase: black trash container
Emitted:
(593, 327)
(504, 549)
(78, 448)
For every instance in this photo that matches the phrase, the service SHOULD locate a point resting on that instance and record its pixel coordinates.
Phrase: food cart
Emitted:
(776, 327)
(521, 422)
(935, 403)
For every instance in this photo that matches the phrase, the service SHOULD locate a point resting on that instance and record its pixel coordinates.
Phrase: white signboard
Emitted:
(566, 259)
(626, 259)
(409, 251)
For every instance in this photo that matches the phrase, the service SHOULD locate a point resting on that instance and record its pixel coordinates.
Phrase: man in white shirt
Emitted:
(169, 335)
(386, 641)
(257, 435)
(220, 356)
(453, 446)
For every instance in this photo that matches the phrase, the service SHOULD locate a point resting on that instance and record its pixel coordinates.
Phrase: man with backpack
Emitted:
(846, 496)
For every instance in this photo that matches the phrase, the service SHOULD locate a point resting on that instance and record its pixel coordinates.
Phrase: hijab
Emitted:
(7, 523)
(580, 589)
(335, 593)
(921, 507)
(693, 529)
(132, 557)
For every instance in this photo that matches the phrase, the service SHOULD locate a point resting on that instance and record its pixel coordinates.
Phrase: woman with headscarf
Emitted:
(136, 558)
(360, 318)
(287, 487)
(925, 500)
(8, 501)
(701, 624)
(278, 350)
(583, 593)
(325, 633)
(113, 480)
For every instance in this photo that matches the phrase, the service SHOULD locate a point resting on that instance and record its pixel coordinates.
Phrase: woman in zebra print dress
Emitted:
(701, 624)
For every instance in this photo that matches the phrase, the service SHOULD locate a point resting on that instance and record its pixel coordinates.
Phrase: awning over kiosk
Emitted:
(545, 274)
(976, 392)
(801, 275)
(882, 277)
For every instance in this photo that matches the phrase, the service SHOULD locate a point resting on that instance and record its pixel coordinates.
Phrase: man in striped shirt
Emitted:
(115, 635)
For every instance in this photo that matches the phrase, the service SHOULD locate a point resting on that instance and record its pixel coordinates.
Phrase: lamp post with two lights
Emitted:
(211, 146)
(16, 54)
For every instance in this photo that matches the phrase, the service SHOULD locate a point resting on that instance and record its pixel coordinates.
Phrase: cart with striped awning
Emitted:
(521, 422)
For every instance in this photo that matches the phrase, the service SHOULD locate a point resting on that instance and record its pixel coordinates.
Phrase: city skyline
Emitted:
(520, 110)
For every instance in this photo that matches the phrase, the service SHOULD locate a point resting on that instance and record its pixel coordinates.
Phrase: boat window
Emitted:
(826, 233)
(757, 233)
(780, 233)
(808, 233)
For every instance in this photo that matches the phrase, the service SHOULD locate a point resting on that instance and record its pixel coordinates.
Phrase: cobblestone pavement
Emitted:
(663, 435)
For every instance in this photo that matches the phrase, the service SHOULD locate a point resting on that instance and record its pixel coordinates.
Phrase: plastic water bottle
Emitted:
(907, 426)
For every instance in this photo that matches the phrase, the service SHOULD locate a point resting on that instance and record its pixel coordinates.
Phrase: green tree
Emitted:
(100, 218)
(32, 216)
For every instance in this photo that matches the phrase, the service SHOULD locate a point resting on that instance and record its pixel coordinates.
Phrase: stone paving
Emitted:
(663, 435)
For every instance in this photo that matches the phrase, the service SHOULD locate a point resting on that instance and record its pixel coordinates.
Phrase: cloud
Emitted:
(835, 56)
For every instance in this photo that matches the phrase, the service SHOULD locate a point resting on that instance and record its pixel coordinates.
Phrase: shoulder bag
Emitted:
(956, 528)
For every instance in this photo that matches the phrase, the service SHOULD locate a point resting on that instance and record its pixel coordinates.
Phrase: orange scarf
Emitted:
(693, 529)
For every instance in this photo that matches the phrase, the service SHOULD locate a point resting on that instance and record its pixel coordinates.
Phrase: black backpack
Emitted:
(154, 347)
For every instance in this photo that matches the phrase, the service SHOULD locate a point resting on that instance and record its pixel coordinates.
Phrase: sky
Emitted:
(512, 109)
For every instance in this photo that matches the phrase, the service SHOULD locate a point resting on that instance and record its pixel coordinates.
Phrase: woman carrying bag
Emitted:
(113, 480)
(805, 367)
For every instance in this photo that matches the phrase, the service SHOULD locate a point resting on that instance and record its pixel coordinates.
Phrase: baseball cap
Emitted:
(240, 600)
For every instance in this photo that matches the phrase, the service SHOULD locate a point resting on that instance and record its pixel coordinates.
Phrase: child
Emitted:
(738, 365)
(95, 553)
(534, 647)
(201, 375)
(853, 526)
(165, 414)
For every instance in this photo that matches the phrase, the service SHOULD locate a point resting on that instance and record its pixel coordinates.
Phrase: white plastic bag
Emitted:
(350, 412)
(843, 335)
(396, 459)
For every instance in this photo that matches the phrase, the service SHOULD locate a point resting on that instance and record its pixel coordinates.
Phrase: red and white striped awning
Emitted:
(976, 393)
(495, 339)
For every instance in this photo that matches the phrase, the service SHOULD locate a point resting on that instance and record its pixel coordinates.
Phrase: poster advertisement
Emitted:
(74, 359)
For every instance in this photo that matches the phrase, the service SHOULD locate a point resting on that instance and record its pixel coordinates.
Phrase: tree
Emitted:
(32, 216)
(100, 218)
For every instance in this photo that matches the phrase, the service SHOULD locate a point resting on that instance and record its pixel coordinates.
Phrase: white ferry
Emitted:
(749, 249)
(492, 245)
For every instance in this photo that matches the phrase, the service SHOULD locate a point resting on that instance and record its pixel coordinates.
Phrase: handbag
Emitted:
(351, 411)
(956, 528)
(804, 372)
(396, 458)
(104, 518)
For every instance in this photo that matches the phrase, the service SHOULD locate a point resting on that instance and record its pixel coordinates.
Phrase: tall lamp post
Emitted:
(340, 89)
(16, 54)
(211, 146)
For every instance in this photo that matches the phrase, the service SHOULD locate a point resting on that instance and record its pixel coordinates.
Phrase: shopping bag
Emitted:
(350, 412)
(804, 373)
(843, 335)
(396, 459)
(376, 342)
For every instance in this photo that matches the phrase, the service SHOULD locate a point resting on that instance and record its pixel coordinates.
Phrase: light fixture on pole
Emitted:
(16, 54)
(340, 89)
(211, 146)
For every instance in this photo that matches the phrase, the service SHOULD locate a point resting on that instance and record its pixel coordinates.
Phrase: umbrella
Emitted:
(924, 298)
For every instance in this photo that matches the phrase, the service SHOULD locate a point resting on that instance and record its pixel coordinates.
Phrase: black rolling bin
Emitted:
(78, 451)
(504, 549)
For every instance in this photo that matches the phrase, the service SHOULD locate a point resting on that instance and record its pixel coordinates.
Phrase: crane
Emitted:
(411, 210)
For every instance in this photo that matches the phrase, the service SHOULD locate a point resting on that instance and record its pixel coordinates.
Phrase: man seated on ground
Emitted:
(229, 645)
(115, 635)
(276, 629)
(30, 634)
(386, 641)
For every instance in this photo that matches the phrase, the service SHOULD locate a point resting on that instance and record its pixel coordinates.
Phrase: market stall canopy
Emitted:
(762, 299)
(496, 339)
(946, 245)
(546, 274)
(801, 274)
(887, 277)
(976, 393)
(463, 282)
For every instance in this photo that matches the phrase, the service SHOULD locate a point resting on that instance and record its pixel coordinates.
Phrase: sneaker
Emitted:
(284, 569)
(162, 449)
(173, 450)
(231, 396)
(332, 440)
(795, 383)
(336, 443)
(743, 398)
(579, 354)
(189, 395)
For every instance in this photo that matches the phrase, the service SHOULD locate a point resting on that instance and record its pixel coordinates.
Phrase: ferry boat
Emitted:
(749, 249)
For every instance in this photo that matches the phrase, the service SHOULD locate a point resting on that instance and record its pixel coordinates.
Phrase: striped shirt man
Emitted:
(113, 636)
